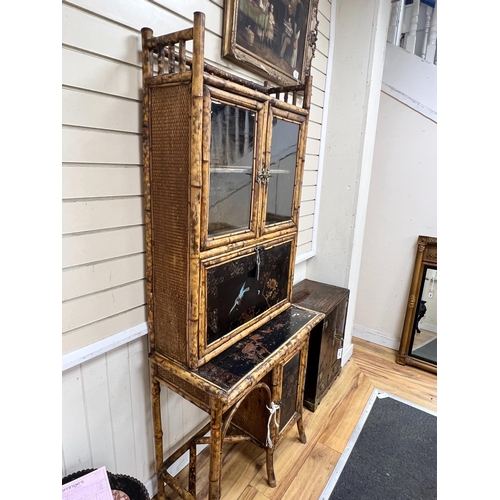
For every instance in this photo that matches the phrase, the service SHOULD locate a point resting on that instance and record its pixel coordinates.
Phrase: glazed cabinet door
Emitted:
(232, 152)
(285, 149)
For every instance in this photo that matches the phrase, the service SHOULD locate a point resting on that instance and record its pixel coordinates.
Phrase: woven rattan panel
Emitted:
(200, 398)
(170, 110)
(252, 415)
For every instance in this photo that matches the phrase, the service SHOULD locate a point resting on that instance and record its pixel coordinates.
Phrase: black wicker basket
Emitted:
(129, 485)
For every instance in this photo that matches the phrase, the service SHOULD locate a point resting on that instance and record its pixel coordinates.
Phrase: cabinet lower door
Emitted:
(290, 390)
(286, 383)
(325, 356)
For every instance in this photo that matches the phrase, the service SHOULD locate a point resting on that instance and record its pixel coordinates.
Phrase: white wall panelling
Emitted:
(88, 248)
(107, 414)
(85, 280)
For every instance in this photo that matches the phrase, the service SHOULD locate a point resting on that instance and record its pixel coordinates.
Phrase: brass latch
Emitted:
(263, 175)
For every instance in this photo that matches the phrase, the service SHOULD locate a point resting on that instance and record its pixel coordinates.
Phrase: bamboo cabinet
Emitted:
(223, 161)
(223, 168)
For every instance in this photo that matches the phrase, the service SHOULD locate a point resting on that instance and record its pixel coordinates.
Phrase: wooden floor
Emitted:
(302, 470)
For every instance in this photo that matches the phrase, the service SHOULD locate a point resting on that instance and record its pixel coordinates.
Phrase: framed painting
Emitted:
(274, 38)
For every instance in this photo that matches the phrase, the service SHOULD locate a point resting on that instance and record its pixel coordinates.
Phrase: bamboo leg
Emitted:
(214, 491)
(300, 402)
(300, 427)
(271, 478)
(158, 433)
(276, 376)
(192, 468)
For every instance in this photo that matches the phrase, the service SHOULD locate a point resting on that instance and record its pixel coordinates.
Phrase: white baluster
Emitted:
(400, 21)
(430, 54)
(412, 35)
(394, 24)
(428, 13)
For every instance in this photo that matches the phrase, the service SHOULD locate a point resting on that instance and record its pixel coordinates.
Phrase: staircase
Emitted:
(413, 27)
(410, 70)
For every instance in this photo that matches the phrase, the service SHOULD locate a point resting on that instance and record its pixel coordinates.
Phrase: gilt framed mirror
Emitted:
(419, 336)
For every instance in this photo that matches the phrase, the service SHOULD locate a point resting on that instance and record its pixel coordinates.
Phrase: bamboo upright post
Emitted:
(215, 449)
(158, 434)
(192, 468)
(195, 184)
(147, 71)
(300, 395)
(301, 152)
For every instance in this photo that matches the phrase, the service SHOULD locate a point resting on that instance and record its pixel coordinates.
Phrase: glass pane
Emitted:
(283, 162)
(231, 161)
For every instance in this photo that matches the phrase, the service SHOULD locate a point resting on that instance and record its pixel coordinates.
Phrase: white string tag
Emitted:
(272, 411)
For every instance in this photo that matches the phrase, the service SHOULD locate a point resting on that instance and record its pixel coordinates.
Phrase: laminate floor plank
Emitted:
(313, 475)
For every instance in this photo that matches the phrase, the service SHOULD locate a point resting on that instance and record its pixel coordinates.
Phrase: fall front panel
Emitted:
(244, 288)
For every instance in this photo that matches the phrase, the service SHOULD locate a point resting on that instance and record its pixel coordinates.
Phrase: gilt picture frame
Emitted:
(426, 258)
(274, 38)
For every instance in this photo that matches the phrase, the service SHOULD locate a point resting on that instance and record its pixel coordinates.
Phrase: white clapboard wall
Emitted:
(106, 401)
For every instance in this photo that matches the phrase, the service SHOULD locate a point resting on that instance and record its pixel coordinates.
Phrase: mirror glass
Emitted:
(424, 336)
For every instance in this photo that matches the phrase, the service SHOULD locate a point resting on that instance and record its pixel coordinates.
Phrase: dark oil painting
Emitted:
(273, 36)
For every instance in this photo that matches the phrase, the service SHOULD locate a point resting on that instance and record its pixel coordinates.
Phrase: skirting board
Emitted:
(346, 354)
(428, 327)
(375, 337)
